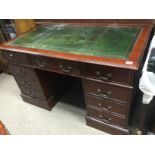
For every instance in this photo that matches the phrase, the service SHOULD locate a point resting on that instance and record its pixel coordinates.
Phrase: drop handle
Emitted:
(105, 108)
(66, 69)
(26, 84)
(104, 94)
(41, 64)
(21, 71)
(107, 77)
(29, 93)
(11, 54)
(107, 120)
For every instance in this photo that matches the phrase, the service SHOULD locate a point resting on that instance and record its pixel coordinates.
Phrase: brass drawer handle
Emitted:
(107, 120)
(100, 104)
(67, 69)
(20, 71)
(25, 83)
(107, 108)
(11, 55)
(29, 93)
(41, 64)
(100, 116)
(32, 95)
(107, 77)
(104, 94)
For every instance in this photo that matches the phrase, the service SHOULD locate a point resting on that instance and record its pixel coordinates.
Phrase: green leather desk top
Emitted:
(115, 42)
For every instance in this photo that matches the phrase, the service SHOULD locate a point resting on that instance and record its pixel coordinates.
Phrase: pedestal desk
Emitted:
(106, 57)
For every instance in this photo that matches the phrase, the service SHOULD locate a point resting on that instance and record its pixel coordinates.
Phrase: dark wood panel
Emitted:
(108, 91)
(106, 105)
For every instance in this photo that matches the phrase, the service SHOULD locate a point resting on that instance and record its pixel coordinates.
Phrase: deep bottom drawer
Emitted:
(106, 117)
(108, 128)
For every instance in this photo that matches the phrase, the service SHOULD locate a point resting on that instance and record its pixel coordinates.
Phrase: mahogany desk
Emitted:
(106, 57)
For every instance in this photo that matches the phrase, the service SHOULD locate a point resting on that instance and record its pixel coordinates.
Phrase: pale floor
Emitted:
(20, 117)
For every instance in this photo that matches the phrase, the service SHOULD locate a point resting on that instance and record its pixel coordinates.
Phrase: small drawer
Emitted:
(106, 105)
(108, 91)
(16, 57)
(22, 71)
(106, 117)
(63, 66)
(69, 67)
(44, 62)
(107, 74)
(28, 83)
(33, 93)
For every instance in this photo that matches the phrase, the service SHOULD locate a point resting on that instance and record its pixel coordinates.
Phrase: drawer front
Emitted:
(108, 91)
(69, 67)
(106, 105)
(32, 93)
(107, 74)
(16, 57)
(106, 117)
(22, 71)
(28, 83)
(63, 66)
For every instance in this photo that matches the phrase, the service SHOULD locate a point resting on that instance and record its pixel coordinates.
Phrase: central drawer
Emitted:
(103, 90)
(58, 65)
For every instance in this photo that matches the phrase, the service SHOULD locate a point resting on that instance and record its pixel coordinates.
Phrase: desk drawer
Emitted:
(107, 74)
(106, 105)
(58, 65)
(28, 83)
(108, 91)
(106, 117)
(22, 71)
(33, 93)
(16, 57)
